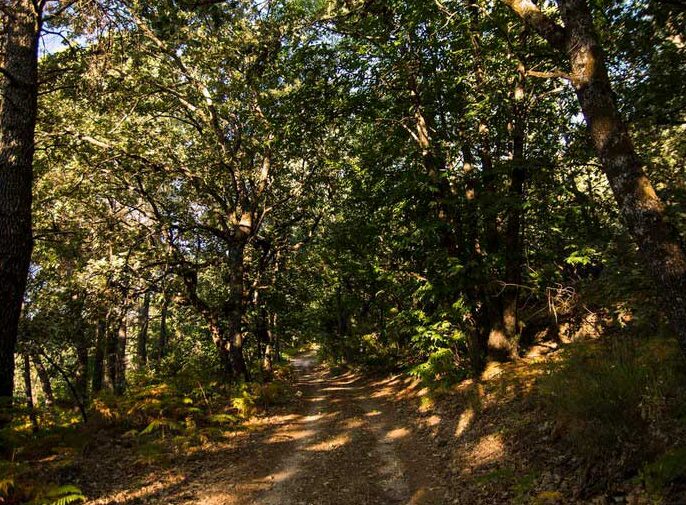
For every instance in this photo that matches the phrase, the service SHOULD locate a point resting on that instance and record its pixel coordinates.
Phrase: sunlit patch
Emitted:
(373, 413)
(313, 418)
(317, 399)
(397, 434)
(433, 421)
(489, 449)
(330, 444)
(382, 393)
(346, 381)
(353, 424)
(288, 435)
(281, 476)
(465, 421)
(143, 492)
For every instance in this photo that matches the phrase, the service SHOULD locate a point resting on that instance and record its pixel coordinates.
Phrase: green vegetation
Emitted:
(194, 193)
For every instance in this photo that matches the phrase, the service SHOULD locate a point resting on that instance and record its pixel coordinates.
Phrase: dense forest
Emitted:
(342, 251)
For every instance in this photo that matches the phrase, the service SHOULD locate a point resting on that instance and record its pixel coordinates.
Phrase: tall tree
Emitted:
(660, 246)
(21, 25)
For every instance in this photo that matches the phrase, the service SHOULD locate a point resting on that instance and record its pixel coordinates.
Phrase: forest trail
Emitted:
(342, 441)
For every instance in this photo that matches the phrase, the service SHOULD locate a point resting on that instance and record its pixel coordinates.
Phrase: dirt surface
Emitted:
(344, 440)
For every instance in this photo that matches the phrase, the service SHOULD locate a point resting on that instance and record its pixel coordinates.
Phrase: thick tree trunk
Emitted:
(99, 357)
(143, 323)
(44, 378)
(660, 246)
(434, 162)
(237, 357)
(234, 314)
(222, 345)
(18, 107)
(642, 210)
(513, 240)
(473, 259)
(30, 402)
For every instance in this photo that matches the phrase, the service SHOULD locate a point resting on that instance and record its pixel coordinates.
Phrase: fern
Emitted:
(60, 495)
(6, 487)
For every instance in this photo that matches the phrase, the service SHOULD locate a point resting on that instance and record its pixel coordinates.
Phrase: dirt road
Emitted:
(344, 443)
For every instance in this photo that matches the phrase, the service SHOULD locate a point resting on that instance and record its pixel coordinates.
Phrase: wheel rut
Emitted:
(344, 442)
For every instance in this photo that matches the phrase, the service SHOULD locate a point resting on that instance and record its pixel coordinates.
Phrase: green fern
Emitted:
(60, 495)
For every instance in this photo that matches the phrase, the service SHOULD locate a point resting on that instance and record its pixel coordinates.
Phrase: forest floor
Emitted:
(346, 437)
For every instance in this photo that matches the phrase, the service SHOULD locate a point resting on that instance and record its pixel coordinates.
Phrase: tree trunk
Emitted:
(513, 241)
(473, 260)
(120, 363)
(164, 330)
(264, 336)
(236, 307)
(143, 322)
(434, 162)
(99, 358)
(81, 380)
(660, 246)
(488, 189)
(222, 346)
(111, 353)
(44, 378)
(30, 403)
(18, 107)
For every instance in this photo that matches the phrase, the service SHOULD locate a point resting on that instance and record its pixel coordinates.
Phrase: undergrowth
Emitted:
(620, 405)
(156, 422)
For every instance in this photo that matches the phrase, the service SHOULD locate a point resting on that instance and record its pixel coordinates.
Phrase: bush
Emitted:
(616, 399)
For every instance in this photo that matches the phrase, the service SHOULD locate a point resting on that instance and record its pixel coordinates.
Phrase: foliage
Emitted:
(602, 396)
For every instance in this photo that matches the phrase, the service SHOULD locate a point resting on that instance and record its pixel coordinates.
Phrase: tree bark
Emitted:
(81, 380)
(660, 247)
(44, 378)
(99, 358)
(120, 363)
(513, 240)
(236, 308)
(222, 346)
(265, 338)
(30, 402)
(163, 340)
(143, 322)
(18, 107)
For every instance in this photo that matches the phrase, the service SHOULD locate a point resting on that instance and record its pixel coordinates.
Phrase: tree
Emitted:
(21, 25)
(643, 211)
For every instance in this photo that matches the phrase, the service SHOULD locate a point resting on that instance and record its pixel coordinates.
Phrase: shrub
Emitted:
(615, 398)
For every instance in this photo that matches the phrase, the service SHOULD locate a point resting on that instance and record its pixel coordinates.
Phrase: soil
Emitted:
(345, 439)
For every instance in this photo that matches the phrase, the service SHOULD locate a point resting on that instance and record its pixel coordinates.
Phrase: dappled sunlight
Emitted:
(145, 492)
(433, 421)
(465, 421)
(331, 443)
(290, 434)
(282, 475)
(316, 399)
(396, 434)
(489, 449)
(353, 424)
